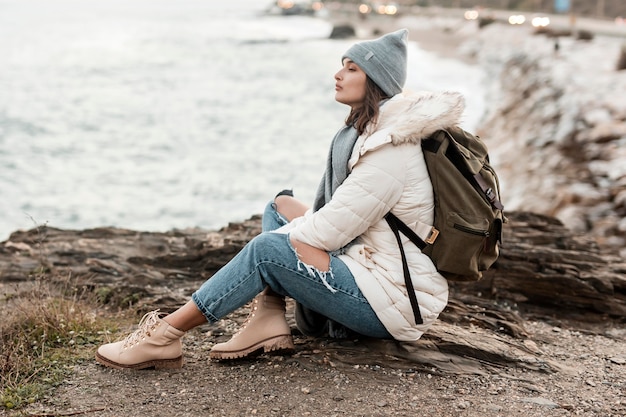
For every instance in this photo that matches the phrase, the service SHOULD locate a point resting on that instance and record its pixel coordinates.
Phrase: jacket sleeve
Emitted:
(368, 193)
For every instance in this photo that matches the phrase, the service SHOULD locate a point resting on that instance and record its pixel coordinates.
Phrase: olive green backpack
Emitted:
(465, 238)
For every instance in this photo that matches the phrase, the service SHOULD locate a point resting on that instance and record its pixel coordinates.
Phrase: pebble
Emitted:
(532, 346)
(541, 401)
(620, 359)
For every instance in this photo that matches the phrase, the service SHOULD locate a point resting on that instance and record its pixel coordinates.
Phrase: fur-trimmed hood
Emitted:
(410, 118)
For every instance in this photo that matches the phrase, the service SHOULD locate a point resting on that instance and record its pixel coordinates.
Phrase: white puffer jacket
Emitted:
(388, 173)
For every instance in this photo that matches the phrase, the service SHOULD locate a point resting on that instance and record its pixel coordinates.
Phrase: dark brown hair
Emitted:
(368, 112)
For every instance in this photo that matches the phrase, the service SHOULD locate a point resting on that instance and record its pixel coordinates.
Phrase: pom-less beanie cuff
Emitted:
(384, 60)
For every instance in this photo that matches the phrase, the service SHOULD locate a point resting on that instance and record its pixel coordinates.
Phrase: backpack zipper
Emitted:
(466, 229)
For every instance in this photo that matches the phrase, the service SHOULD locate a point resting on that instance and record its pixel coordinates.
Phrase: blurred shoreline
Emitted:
(443, 30)
(348, 13)
(434, 32)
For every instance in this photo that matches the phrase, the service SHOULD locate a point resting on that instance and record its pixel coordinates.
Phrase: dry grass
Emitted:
(48, 325)
(42, 335)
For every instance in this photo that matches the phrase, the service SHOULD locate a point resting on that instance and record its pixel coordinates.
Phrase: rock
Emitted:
(619, 359)
(556, 131)
(543, 267)
(541, 401)
(342, 32)
(543, 264)
(584, 35)
(621, 60)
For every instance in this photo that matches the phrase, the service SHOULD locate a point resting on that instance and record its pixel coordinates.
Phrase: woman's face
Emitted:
(350, 82)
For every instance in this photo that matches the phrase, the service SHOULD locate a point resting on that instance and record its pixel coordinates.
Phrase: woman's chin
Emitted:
(341, 100)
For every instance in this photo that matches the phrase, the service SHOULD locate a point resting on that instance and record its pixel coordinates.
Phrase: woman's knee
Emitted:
(289, 207)
(270, 245)
(275, 244)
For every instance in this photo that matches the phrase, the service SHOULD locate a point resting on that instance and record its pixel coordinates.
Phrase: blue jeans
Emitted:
(270, 260)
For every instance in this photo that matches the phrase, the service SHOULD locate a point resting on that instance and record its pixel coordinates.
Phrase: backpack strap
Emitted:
(429, 232)
(396, 226)
(489, 192)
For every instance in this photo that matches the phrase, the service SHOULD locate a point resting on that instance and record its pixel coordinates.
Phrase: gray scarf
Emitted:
(336, 172)
(336, 165)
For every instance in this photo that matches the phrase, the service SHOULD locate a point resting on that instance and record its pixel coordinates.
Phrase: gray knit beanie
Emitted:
(383, 60)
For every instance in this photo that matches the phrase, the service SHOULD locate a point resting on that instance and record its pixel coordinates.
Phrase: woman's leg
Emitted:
(282, 210)
(309, 322)
(266, 326)
(186, 317)
(289, 207)
(270, 260)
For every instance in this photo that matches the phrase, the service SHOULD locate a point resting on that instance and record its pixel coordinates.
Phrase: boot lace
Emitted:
(254, 307)
(148, 324)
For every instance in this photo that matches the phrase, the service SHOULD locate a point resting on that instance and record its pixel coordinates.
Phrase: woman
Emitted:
(340, 260)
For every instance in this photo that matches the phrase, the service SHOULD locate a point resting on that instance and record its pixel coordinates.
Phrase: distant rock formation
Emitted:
(556, 127)
(342, 31)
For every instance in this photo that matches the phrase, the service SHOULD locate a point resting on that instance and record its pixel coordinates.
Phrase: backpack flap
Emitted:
(465, 157)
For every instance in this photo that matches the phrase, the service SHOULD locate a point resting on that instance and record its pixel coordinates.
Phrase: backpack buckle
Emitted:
(432, 236)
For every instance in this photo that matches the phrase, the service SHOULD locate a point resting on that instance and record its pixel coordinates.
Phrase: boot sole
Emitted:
(277, 344)
(175, 363)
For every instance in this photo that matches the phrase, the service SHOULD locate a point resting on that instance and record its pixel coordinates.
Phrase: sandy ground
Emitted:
(347, 378)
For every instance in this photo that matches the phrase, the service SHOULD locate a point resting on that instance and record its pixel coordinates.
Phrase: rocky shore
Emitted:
(557, 128)
(542, 335)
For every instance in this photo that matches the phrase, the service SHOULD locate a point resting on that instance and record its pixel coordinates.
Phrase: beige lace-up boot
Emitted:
(265, 329)
(155, 344)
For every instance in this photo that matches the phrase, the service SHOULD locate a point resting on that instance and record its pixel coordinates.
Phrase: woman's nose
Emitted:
(337, 75)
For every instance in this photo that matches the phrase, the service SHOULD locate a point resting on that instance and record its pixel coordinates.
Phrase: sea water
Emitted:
(160, 114)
